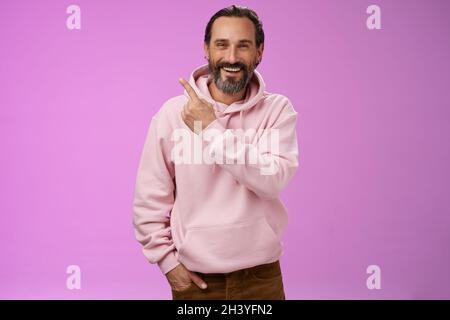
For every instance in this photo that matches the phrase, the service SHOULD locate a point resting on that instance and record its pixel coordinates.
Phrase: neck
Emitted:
(224, 98)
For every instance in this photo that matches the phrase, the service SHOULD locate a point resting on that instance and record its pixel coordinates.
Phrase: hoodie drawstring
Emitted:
(240, 119)
(241, 126)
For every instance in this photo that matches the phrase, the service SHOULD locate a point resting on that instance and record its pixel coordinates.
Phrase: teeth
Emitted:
(232, 69)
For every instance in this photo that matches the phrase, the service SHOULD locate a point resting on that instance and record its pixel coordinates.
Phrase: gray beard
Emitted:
(230, 86)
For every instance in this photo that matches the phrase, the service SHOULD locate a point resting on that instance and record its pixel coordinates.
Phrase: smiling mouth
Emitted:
(231, 71)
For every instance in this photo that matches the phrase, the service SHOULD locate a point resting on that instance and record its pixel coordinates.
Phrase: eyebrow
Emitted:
(240, 41)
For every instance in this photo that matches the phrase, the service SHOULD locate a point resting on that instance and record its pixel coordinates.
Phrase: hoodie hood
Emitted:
(255, 91)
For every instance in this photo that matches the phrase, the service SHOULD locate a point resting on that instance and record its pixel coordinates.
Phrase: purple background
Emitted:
(372, 187)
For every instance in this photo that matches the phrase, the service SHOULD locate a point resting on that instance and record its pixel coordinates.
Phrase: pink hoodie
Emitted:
(216, 216)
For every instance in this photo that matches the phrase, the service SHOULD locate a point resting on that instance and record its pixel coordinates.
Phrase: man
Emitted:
(212, 219)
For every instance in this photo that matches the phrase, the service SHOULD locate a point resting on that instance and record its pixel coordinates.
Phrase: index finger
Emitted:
(188, 88)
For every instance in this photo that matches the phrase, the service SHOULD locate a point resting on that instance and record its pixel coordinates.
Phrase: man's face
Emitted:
(232, 53)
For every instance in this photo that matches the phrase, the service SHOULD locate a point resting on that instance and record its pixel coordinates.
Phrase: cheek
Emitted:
(219, 56)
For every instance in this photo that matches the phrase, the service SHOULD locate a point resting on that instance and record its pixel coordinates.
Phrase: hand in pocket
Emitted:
(181, 279)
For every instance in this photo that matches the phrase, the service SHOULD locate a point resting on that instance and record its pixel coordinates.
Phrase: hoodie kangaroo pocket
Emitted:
(223, 249)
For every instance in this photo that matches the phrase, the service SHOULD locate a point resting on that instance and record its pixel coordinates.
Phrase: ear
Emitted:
(260, 51)
(206, 49)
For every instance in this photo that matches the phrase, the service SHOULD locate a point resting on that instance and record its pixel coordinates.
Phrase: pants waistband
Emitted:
(245, 270)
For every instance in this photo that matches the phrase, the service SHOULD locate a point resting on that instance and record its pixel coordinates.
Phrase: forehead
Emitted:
(233, 29)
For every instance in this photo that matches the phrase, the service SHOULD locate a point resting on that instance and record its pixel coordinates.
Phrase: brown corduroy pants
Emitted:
(262, 282)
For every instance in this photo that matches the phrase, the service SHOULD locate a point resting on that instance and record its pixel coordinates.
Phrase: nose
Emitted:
(232, 55)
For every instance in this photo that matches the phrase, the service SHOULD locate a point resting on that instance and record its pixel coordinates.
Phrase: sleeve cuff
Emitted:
(168, 263)
(213, 137)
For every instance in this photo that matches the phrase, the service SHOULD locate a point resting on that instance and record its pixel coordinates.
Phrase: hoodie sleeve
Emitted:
(276, 162)
(154, 198)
